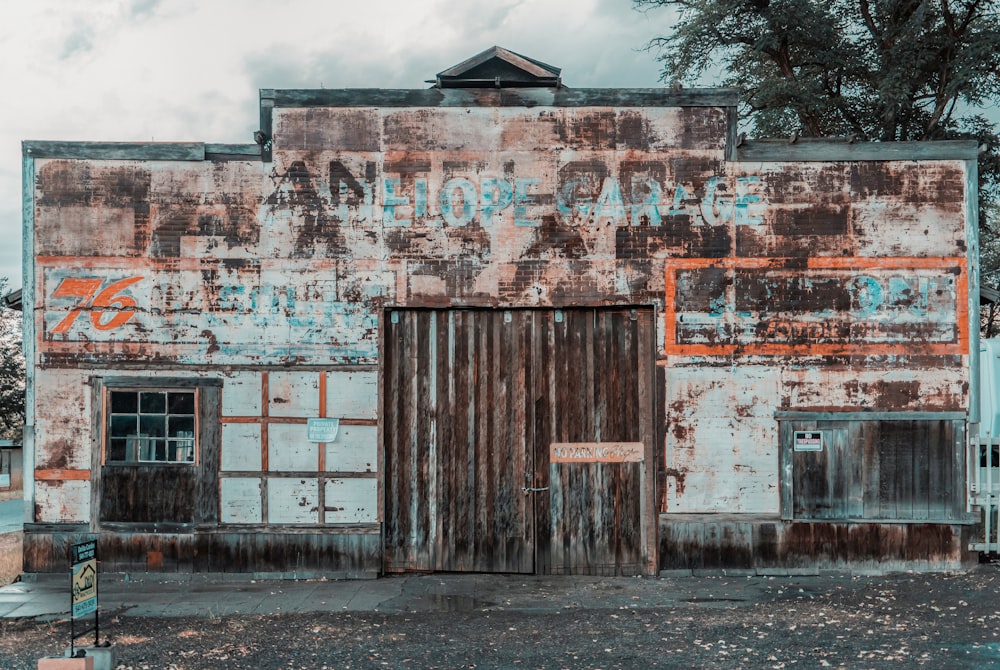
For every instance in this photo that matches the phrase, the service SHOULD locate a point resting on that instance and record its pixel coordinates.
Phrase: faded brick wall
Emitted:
(833, 286)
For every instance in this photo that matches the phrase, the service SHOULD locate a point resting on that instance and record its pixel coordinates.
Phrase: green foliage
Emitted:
(12, 372)
(877, 69)
(872, 70)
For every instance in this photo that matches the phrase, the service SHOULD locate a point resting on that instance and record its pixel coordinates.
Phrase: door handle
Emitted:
(527, 489)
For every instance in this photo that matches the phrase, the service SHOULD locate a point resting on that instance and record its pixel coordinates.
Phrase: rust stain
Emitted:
(679, 476)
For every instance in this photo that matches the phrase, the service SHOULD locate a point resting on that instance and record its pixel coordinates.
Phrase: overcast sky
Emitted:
(190, 70)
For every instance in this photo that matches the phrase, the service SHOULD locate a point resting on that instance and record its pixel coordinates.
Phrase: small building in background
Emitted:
(11, 471)
(500, 325)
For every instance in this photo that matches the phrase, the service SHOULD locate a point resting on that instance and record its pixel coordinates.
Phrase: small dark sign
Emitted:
(83, 551)
(808, 441)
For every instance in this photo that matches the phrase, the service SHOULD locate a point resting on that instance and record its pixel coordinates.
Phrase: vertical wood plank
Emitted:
(648, 411)
(855, 456)
(209, 405)
(903, 436)
(940, 462)
(888, 472)
(787, 470)
(956, 430)
(868, 433)
(925, 434)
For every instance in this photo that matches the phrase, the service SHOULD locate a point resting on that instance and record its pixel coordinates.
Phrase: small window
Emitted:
(151, 426)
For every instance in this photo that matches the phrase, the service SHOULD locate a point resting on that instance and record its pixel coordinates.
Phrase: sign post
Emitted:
(83, 589)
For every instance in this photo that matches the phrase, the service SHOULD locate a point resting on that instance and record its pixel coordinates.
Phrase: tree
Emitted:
(871, 70)
(876, 69)
(12, 372)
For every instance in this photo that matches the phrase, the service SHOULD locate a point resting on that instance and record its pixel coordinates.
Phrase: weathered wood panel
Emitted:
(350, 500)
(240, 500)
(596, 517)
(354, 450)
(241, 446)
(877, 469)
(352, 554)
(293, 500)
(484, 395)
(148, 493)
(725, 541)
(454, 477)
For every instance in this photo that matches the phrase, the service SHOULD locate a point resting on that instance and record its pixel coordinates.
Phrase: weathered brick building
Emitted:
(499, 325)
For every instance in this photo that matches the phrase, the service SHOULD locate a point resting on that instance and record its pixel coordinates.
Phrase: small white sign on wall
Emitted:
(808, 440)
(322, 430)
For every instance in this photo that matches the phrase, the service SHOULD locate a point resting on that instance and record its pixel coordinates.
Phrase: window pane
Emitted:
(181, 426)
(150, 449)
(123, 426)
(116, 450)
(181, 451)
(153, 426)
(152, 403)
(124, 402)
(181, 403)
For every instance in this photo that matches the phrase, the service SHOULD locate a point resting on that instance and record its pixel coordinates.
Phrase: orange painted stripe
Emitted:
(62, 475)
(182, 264)
(894, 349)
(961, 291)
(359, 422)
(322, 395)
(263, 419)
(292, 419)
(321, 447)
(820, 262)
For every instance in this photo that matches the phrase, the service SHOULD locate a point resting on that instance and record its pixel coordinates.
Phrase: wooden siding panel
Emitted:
(240, 500)
(289, 450)
(353, 554)
(352, 395)
(241, 395)
(241, 446)
(879, 469)
(149, 493)
(693, 541)
(495, 384)
(351, 501)
(354, 450)
(293, 394)
(292, 500)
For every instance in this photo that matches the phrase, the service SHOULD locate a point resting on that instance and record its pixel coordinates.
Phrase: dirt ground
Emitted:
(938, 621)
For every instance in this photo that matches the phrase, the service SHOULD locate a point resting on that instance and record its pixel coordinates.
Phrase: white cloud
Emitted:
(189, 70)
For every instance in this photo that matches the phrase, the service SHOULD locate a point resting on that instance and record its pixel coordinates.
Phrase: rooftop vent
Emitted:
(499, 68)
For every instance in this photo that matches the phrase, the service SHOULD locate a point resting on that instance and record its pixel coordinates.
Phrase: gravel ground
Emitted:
(939, 621)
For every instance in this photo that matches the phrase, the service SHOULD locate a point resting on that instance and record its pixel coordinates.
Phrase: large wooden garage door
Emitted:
(475, 402)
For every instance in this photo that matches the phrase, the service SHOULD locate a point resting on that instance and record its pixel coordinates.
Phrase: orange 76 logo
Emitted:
(88, 289)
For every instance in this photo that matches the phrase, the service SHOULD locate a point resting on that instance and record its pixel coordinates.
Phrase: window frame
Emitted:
(151, 385)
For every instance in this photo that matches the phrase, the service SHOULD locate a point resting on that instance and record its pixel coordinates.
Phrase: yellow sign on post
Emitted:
(84, 582)
(85, 588)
